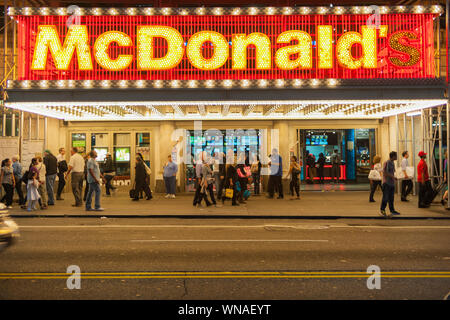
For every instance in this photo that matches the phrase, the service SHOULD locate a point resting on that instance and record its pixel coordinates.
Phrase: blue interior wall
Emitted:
(350, 154)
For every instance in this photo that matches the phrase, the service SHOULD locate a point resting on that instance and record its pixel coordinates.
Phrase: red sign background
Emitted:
(271, 25)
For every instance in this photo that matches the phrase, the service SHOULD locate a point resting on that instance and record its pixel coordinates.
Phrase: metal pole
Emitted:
(29, 127)
(398, 150)
(21, 133)
(413, 146)
(5, 40)
(45, 133)
(447, 18)
(441, 173)
(14, 46)
(37, 128)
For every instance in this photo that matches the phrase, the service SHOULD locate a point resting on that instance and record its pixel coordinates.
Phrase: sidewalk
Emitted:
(313, 204)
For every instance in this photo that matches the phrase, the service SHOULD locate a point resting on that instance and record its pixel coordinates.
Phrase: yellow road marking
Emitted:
(238, 274)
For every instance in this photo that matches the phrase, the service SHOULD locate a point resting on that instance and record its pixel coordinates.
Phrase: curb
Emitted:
(229, 217)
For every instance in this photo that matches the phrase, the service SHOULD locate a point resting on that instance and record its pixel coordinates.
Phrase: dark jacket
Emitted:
(141, 174)
(231, 174)
(51, 164)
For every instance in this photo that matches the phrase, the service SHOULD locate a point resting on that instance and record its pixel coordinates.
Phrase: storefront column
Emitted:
(166, 144)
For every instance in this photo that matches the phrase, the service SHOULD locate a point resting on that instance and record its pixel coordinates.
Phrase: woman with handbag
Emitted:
(294, 172)
(230, 183)
(256, 174)
(375, 176)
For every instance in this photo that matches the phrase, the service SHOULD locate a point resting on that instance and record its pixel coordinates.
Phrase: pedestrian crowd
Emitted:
(385, 177)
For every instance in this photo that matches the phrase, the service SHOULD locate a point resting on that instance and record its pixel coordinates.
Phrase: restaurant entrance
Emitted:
(355, 147)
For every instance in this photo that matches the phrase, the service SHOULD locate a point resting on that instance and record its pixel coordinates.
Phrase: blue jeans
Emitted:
(93, 187)
(170, 183)
(50, 184)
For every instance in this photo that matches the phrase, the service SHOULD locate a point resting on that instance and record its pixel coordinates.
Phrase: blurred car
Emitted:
(9, 230)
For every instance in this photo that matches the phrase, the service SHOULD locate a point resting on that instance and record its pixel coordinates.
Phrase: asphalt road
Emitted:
(227, 259)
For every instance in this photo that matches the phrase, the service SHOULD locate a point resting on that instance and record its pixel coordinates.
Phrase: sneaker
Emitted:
(167, 196)
(383, 213)
(371, 200)
(172, 196)
(9, 207)
(395, 213)
(89, 209)
(99, 209)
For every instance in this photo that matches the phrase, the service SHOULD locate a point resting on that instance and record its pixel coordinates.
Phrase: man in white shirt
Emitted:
(407, 184)
(76, 167)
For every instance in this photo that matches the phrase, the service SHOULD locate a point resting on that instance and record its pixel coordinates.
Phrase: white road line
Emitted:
(299, 227)
(230, 240)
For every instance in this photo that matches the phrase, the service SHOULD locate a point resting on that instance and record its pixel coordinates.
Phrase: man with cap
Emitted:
(51, 167)
(424, 181)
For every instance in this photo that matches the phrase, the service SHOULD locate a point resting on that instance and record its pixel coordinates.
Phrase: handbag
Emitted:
(229, 193)
(248, 171)
(374, 175)
(133, 193)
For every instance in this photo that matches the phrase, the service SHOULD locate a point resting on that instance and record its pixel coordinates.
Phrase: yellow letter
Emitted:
(412, 52)
(195, 55)
(76, 38)
(368, 41)
(145, 56)
(101, 50)
(239, 50)
(325, 46)
(303, 49)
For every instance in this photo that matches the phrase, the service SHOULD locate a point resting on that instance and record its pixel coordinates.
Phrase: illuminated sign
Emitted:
(220, 47)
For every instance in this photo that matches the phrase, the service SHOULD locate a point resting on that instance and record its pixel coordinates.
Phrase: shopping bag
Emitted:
(374, 175)
(229, 193)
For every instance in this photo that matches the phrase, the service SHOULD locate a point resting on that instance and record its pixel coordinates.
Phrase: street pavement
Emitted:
(122, 258)
(331, 203)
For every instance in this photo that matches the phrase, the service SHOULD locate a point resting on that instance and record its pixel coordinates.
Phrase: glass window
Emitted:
(122, 156)
(143, 146)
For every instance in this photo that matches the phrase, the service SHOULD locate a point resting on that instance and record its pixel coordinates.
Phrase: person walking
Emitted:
(242, 179)
(42, 189)
(93, 181)
(7, 181)
(76, 167)
(140, 180)
(109, 173)
(256, 174)
(424, 181)
(230, 180)
(208, 181)
(276, 171)
(85, 174)
(17, 170)
(335, 166)
(407, 184)
(170, 170)
(294, 173)
(198, 178)
(222, 175)
(33, 195)
(147, 178)
(62, 169)
(311, 165)
(376, 178)
(51, 169)
(320, 167)
(389, 185)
